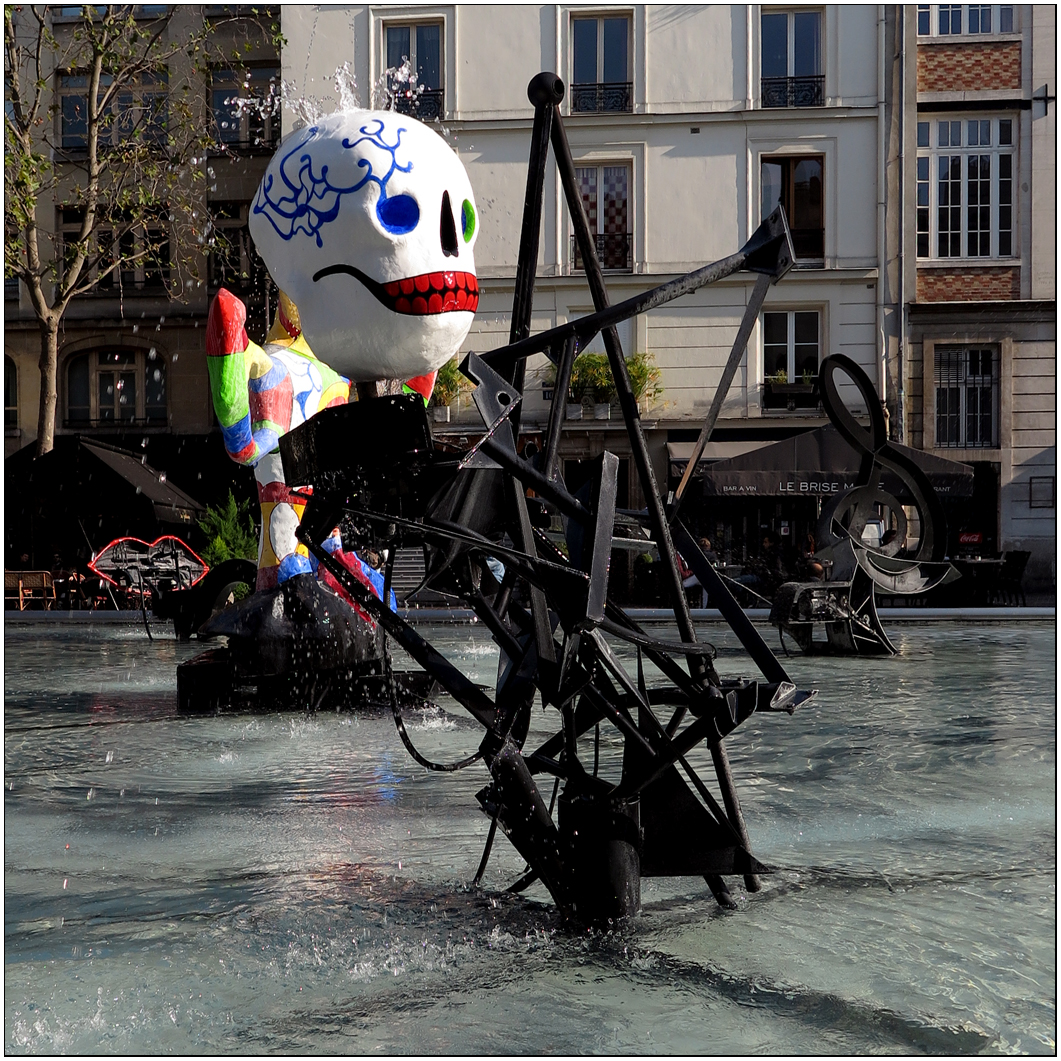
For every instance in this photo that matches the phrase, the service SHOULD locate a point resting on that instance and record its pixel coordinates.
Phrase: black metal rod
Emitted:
(584, 328)
(545, 91)
(462, 689)
(558, 410)
(627, 401)
(530, 476)
(486, 852)
(740, 344)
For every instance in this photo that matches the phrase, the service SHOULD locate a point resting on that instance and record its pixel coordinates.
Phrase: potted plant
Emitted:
(645, 379)
(596, 374)
(448, 386)
(778, 393)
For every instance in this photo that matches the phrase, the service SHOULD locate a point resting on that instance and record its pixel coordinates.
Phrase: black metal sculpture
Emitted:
(550, 612)
(846, 605)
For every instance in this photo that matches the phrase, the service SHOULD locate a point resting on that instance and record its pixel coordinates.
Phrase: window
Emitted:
(792, 59)
(967, 397)
(421, 47)
(951, 20)
(116, 386)
(234, 260)
(144, 248)
(606, 197)
(246, 106)
(10, 393)
(600, 74)
(967, 167)
(796, 184)
(1042, 491)
(791, 352)
(139, 110)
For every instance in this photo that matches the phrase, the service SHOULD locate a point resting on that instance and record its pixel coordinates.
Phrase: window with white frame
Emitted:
(791, 58)
(600, 64)
(966, 177)
(967, 391)
(246, 106)
(606, 197)
(139, 110)
(116, 386)
(953, 20)
(419, 44)
(791, 353)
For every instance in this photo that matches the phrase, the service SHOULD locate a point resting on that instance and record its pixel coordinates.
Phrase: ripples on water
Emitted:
(296, 883)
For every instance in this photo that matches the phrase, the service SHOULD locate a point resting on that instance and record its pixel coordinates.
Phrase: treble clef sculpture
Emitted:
(858, 570)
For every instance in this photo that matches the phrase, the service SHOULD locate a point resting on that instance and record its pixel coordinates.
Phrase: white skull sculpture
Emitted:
(367, 221)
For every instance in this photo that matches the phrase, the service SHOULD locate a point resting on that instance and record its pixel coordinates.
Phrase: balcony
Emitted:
(607, 97)
(614, 251)
(427, 106)
(794, 91)
(790, 396)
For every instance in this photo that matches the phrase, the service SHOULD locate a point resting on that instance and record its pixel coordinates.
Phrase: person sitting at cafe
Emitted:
(709, 553)
(807, 566)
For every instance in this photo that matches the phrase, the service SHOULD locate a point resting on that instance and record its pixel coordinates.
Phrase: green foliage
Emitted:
(645, 376)
(230, 532)
(136, 175)
(591, 377)
(448, 384)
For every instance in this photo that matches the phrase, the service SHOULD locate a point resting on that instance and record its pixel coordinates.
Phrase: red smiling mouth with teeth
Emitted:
(418, 296)
(434, 293)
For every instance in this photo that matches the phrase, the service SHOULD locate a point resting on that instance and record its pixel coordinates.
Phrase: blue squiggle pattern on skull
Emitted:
(308, 200)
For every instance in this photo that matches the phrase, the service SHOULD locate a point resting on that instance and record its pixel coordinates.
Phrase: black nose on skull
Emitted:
(447, 229)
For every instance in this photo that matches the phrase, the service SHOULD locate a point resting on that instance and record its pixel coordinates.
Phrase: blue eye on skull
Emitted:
(398, 214)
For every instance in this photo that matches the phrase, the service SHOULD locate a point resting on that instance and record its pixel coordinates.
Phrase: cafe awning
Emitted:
(820, 463)
(170, 504)
(678, 454)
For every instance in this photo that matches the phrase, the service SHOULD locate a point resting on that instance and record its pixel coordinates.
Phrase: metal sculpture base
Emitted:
(846, 610)
(295, 647)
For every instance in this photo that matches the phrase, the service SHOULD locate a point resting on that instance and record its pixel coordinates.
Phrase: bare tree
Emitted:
(106, 120)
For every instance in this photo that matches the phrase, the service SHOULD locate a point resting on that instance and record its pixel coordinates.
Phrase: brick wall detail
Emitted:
(968, 67)
(970, 284)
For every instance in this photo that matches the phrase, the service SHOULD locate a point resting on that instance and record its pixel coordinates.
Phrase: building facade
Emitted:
(978, 225)
(688, 124)
(132, 361)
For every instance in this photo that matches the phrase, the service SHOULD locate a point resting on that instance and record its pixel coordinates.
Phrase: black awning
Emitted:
(170, 504)
(820, 463)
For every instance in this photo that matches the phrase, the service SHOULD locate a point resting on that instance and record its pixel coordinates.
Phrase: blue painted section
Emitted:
(376, 579)
(295, 564)
(273, 378)
(399, 214)
(308, 199)
(238, 437)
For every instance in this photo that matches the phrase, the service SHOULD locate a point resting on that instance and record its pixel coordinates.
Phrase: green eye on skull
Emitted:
(467, 221)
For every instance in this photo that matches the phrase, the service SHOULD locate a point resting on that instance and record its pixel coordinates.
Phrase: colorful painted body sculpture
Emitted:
(367, 220)
(260, 394)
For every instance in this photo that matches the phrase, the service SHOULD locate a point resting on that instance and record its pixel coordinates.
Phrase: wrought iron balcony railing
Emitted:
(428, 106)
(607, 96)
(794, 91)
(614, 251)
